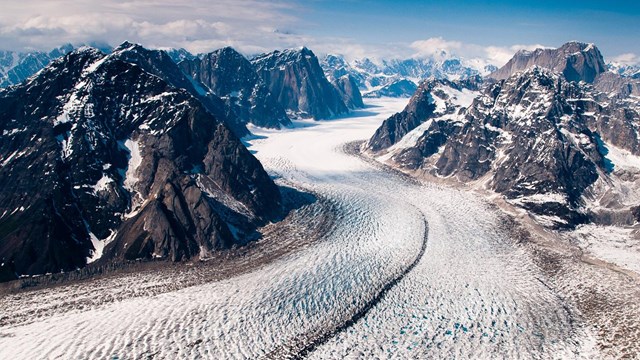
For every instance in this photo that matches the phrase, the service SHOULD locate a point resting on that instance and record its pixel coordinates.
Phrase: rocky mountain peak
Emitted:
(575, 60)
(230, 75)
(295, 78)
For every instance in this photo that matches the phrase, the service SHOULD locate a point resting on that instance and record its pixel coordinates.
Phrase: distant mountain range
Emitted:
(400, 77)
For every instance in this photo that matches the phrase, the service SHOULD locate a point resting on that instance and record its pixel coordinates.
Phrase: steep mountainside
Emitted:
(158, 63)
(178, 55)
(548, 145)
(433, 98)
(296, 79)
(348, 90)
(104, 161)
(576, 61)
(231, 76)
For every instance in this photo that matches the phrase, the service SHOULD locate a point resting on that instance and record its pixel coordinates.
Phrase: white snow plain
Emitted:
(473, 294)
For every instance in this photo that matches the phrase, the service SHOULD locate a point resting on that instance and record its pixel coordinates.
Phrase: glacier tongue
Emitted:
(472, 294)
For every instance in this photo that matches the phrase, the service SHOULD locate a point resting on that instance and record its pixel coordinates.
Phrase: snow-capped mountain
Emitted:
(632, 71)
(399, 77)
(576, 61)
(295, 78)
(178, 55)
(561, 149)
(102, 159)
(231, 76)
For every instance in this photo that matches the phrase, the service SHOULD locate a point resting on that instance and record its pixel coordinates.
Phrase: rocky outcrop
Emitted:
(348, 90)
(104, 161)
(297, 81)
(232, 77)
(576, 61)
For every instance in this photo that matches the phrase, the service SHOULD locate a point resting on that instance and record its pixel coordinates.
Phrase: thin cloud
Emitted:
(628, 59)
(36, 24)
(251, 26)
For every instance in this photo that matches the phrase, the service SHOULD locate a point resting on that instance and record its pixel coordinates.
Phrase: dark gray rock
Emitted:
(348, 90)
(299, 84)
(231, 76)
(575, 60)
(159, 63)
(534, 137)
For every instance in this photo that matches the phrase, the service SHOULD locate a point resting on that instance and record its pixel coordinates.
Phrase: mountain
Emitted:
(631, 71)
(400, 77)
(434, 98)
(231, 76)
(104, 161)
(557, 148)
(575, 60)
(297, 81)
(348, 89)
(178, 55)
(15, 67)
(159, 63)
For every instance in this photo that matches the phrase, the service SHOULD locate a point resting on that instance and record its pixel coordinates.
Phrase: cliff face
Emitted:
(103, 160)
(296, 79)
(348, 90)
(160, 64)
(574, 60)
(231, 76)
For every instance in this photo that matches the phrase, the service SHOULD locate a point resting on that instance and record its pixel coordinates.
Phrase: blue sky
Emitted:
(491, 30)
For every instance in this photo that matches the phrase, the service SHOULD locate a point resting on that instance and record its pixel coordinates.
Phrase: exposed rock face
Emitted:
(296, 79)
(400, 88)
(348, 90)
(95, 147)
(576, 61)
(536, 138)
(231, 76)
(159, 63)
(433, 98)
(617, 85)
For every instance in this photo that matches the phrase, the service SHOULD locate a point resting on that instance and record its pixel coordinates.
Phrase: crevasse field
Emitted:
(469, 294)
